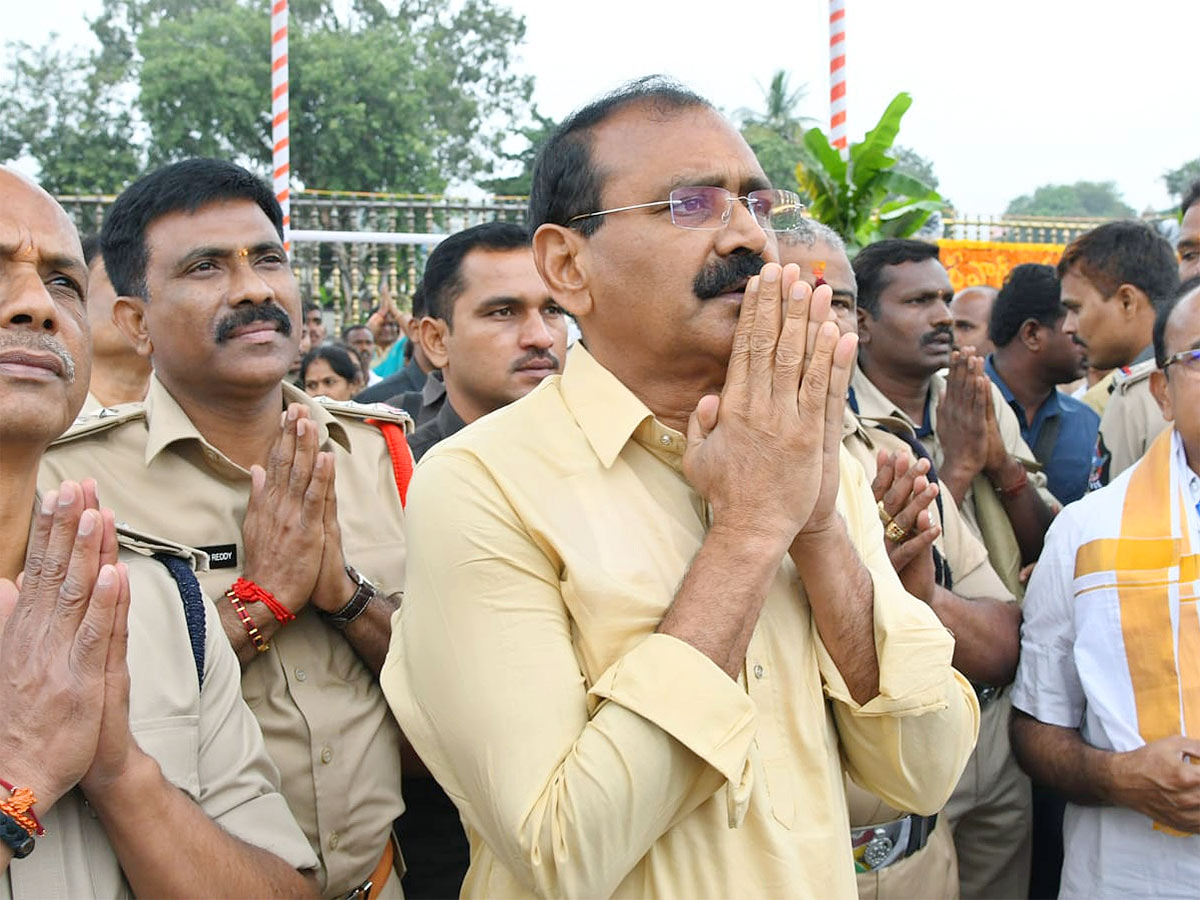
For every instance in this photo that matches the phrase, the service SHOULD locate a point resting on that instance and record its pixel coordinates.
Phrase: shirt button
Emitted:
(759, 671)
(326, 756)
(334, 840)
(665, 440)
(301, 675)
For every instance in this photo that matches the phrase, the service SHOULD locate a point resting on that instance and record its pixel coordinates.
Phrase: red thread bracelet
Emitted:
(20, 807)
(249, 592)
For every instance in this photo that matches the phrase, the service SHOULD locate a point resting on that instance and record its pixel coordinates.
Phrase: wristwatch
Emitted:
(364, 592)
(17, 838)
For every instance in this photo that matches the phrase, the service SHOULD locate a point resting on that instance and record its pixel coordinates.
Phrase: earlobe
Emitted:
(864, 328)
(560, 257)
(432, 335)
(129, 315)
(1162, 394)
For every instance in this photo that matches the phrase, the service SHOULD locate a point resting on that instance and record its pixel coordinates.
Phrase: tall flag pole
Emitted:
(281, 154)
(837, 75)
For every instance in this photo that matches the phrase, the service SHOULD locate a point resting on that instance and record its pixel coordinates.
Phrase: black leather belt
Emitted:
(986, 693)
(878, 846)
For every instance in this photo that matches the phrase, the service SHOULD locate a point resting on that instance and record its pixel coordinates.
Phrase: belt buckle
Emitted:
(359, 893)
(986, 693)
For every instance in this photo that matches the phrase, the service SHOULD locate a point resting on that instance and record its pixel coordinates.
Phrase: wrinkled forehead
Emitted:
(33, 226)
(830, 263)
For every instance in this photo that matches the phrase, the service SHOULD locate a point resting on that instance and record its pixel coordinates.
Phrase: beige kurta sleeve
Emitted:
(910, 743)
(569, 787)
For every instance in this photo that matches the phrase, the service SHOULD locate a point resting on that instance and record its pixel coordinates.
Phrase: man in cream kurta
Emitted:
(640, 662)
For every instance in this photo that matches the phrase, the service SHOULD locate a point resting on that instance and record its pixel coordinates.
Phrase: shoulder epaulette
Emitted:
(145, 544)
(101, 420)
(1126, 377)
(351, 410)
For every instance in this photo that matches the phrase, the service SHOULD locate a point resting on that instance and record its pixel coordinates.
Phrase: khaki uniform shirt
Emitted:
(930, 872)
(981, 508)
(589, 755)
(1132, 419)
(205, 741)
(1098, 394)
(325, 721)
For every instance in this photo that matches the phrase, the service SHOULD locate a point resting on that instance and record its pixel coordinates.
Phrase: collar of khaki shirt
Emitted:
(609, 414)
(873, 404)
(167, 423)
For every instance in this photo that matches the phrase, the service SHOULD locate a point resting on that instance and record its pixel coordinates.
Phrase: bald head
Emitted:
(44, 343)
(971, 309)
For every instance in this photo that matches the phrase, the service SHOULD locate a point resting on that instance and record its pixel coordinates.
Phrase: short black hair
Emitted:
(1162, 317)
(443, 281)
(1031, 291)
(872, 261)
(419, 305)
(354, 326)
(1124, 252)
(180, 187)
(1190, 198)
(341, 359)
(91, 248)
(566, 180)
(306, 307)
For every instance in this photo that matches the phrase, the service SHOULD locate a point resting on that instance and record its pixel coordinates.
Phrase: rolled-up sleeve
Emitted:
(909, 743)
(569, 792)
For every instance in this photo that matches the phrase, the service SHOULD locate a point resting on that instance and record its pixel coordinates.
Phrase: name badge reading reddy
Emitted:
(221, 556)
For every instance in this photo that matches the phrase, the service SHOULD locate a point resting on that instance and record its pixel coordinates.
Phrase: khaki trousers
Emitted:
(990, 814)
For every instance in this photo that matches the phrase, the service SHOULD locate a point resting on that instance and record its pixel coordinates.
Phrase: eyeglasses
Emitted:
(705, 208)
(1189, 358)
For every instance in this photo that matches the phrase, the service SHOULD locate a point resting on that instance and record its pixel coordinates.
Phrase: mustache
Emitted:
(40, 341)
(248, 315)
(536, 354)
(719, 277)
(942, 331)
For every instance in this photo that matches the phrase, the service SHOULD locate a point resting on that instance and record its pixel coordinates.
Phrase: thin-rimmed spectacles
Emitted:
(1189, 360)
(707, 208)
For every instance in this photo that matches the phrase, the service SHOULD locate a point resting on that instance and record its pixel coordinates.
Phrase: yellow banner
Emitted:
(989, 262)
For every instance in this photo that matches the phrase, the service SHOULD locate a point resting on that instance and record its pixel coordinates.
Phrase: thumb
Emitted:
(703, 419)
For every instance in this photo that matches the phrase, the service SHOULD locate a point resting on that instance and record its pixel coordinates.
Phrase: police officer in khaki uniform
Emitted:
(1114, 277)
(297, 499)
(120, 711)
(901, 855)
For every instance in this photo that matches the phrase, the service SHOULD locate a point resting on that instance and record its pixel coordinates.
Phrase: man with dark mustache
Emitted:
(226, 457)
(651, 620)
(974, 441)
(491, 327)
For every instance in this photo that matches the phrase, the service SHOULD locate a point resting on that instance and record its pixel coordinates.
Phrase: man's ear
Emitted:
(1162, 394)
(560, 256)
(1030, 334)
(864, 326)
(1130, 297)
(431, 334)
(129, 315)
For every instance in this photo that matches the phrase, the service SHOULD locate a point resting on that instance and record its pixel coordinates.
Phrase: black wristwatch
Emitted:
(364, 592)
(19, 841)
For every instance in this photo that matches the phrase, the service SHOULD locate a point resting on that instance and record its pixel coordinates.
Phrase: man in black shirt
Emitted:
(491, 326)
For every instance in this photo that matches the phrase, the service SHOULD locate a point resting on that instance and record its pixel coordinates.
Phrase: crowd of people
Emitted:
(796, 574)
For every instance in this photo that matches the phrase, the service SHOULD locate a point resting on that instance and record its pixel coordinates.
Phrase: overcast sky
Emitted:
(1007, 95)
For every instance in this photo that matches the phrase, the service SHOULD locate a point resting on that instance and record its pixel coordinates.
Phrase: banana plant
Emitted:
(862, 198)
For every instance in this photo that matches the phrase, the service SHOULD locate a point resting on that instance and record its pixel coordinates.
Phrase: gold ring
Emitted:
(894, 532)
(883, 514)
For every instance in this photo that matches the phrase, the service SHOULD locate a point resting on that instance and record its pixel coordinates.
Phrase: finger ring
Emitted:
(884, 517)
(894, 532)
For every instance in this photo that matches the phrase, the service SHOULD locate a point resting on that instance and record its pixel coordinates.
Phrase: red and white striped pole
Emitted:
(281, 154)
(837, 75)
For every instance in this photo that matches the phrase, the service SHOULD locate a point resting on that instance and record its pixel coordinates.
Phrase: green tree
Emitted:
(775, 132)
(63, 113)
(534, 135)
(401, 97)
(851, 195)
(1083, 198)
(1179, 180)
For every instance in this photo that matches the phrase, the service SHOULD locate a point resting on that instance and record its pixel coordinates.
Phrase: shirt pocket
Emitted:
(174, 743)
